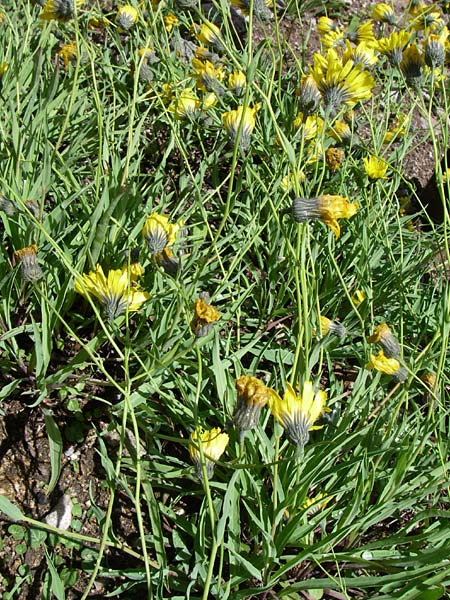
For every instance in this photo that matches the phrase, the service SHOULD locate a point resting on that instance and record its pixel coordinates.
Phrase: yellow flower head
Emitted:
(186, 105)
(389, 366)
(31, 271)
(365, 33)
(242, 120)
(325, 25)
(393, 45)
(341, 132)
(310, 125)
(326, 208)
(209, 78)
(67, 52)
(308, 95)
(297, 413)
(60, 10)
(375, 168)
(127, 16)
(315, 504)
(383, 335)
(212, 443)
(4, 66)
(208, 33)
(435, 49)
(252, 395)
(170, 21)
(424, 18)
(340, 83)
(329, 326)
(205, 316)
(116, 291)
(159, 233)
(358, 297)
(384, 13)
(363, 54)
(237, 82)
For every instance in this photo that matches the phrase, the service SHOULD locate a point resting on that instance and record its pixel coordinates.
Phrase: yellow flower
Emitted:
(297, 413)
(252, 395)
(393, 45)
(4, 66)
(60, 10)
(315, 504)
(208, 33)
(412, 65)
(186, 105)
(383, 335)
(170, 21)
(384, 12)
(67, 52)
(240, 121)
(127, 16)
(341, 132)
(340, 83)
(358, 297)
(326, 208)
(311, 125)
(375, 168)
(212, 443)
(308, 95)
(159, 233)
(435, 48)
(389, 366)
(237, 82)
(328, 326)
(116, 291)
(291, 181)
(205, 316)
(365, 33)
(425, 19)
(208, 76)
(363, 54)
(31, 271)
(325, 25)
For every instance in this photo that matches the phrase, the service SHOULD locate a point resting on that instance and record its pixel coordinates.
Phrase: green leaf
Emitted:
(55, 443)
(10, 509)
(56, 583)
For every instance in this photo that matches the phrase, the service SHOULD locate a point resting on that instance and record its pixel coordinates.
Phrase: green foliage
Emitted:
(90, 150)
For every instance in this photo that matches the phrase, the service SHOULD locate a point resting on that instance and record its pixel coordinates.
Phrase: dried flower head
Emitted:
(326, 208)
(31, 271)
(252, 395)
(207, 446)
(333, 158)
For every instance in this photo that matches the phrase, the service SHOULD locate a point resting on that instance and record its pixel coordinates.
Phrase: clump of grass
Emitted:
(207, 211)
